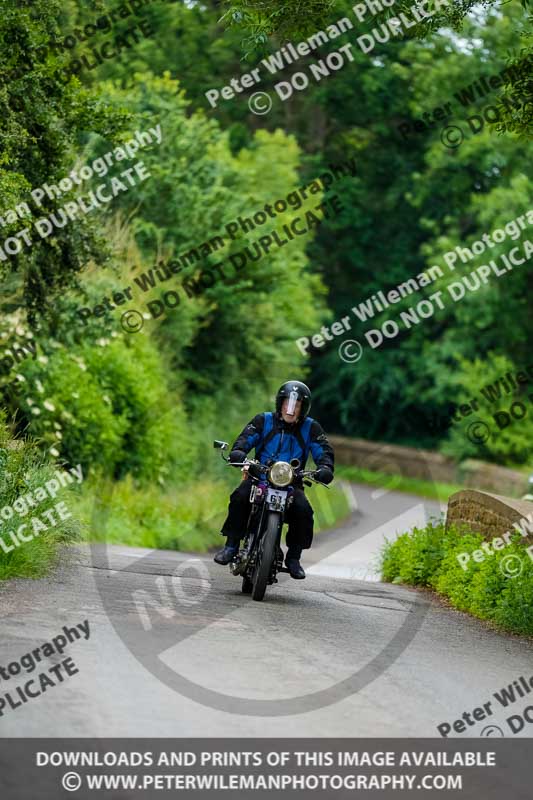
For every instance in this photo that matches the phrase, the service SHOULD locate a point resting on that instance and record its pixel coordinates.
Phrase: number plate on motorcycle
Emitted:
(276, 498)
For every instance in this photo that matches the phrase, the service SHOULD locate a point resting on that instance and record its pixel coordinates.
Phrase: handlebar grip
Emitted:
(255, 470)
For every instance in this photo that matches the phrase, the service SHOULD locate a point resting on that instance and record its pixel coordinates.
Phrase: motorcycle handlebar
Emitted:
(310, 473)
(247, 464)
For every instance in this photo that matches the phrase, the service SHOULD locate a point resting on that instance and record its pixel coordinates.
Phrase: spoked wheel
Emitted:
(265, 557)
(247, 585)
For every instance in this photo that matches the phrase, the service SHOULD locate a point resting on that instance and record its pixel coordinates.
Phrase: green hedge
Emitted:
(22, 471)
(107, 406)
(428, 557)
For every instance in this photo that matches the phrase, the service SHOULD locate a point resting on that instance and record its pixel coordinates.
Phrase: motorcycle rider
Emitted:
(287, 434)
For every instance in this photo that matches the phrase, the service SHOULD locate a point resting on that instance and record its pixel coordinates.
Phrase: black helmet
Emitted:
(298, 391)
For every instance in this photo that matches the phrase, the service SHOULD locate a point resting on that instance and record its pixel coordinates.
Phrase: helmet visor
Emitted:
(291, 403)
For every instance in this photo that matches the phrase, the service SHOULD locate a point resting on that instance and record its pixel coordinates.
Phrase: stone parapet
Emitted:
(412, 462)
(488, 514)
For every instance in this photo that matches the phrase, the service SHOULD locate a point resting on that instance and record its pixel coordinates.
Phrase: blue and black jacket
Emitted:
(276, 440)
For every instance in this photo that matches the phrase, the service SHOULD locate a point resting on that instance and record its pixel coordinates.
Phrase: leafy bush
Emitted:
(451, 579)
(509, 445)
(186, 518)
(513, 609)
(22, 471)
(489, 589)
(413, 557)
(106, 405)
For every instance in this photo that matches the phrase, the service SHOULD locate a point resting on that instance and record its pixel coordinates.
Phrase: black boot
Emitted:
(228, 552)
(292, 562)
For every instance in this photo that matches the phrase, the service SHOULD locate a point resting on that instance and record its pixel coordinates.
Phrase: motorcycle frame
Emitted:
(248, 553)
(253, 546)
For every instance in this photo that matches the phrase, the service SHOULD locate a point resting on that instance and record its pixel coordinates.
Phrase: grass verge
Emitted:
(497, 589)
(185, 518)
(399, 483)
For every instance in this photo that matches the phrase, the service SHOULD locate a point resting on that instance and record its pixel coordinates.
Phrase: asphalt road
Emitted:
(175, 649)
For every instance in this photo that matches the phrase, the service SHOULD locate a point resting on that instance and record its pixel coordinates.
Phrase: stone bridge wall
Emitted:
(488, 514)
(427, 465)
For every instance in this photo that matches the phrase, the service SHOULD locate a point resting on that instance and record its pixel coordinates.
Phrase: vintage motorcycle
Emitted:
(260, 556)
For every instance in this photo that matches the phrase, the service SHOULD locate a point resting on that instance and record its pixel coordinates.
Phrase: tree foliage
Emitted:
(44, 122)
(219, 355)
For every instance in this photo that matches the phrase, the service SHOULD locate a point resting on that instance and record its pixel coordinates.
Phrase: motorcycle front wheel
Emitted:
(265, 557)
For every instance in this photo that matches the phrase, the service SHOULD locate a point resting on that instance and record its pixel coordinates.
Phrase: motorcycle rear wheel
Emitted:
(267, 550)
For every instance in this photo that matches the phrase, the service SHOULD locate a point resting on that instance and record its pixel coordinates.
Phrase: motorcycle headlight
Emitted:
(281, 473)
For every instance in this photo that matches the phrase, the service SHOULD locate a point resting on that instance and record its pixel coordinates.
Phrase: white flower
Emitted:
(102, 342)
(49, 406)
(36, 411)
(106, 399)
(29, 401)
(57, 426)
(54, 452)
(59, 435)
(79, 361)
(39, 386)
(42, 359)
(20, 378)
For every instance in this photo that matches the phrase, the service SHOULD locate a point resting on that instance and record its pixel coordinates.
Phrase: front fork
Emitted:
(245, 558)
(244, 562)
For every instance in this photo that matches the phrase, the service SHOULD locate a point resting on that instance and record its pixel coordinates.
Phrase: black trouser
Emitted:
(299, 516)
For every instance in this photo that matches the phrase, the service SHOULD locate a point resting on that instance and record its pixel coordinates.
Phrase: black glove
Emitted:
(324, 475)
(237, 456)
(255, 471)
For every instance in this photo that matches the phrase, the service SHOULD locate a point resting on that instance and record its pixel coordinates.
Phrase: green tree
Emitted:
(43, 122)
(414, 200)
(247, 320)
